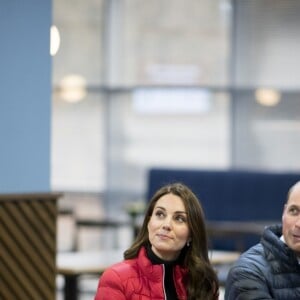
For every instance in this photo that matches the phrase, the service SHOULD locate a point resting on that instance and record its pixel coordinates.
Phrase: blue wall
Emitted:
(25, 95)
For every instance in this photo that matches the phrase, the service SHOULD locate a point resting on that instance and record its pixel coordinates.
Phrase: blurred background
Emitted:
(135, 84)
(209, 84)
(197, 84)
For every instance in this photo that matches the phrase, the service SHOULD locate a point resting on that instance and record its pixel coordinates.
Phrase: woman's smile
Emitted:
(163, 236)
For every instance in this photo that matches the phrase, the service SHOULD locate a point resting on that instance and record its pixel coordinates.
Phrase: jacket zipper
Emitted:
(164, 274)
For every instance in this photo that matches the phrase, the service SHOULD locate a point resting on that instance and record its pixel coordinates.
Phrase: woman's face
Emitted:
(168, 228)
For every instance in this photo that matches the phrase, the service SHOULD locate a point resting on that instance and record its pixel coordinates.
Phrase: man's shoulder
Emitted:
(252, 260)
(253, 253)
(255, 250)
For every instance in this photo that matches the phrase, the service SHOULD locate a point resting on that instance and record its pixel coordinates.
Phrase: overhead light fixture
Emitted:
(267, 97)
(73, 88)
(54, 40)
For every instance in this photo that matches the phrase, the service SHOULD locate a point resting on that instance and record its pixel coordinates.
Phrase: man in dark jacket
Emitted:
(270, 269)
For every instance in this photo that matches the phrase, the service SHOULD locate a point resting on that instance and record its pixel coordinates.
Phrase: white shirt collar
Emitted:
(282, 239)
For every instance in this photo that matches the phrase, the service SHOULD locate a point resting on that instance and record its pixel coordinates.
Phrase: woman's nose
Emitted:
(167, 224)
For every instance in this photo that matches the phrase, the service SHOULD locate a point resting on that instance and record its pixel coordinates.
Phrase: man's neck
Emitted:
(282, 239)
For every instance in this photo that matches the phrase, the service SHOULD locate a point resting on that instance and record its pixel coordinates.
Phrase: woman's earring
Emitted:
(188, 244)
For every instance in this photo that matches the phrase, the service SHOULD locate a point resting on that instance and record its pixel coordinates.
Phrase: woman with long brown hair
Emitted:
(169, 257)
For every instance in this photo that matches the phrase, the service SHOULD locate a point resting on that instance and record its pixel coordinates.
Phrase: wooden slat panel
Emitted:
(51, 209)
(32, 236)
(24, 261)
(7, 291)
(44, 216)
(28, 246)
(20, 278)
(46, 237)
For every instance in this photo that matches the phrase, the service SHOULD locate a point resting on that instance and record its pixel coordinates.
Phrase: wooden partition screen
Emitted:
(28, 246)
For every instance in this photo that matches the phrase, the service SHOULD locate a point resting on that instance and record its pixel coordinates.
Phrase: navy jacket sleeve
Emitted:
(246, 282)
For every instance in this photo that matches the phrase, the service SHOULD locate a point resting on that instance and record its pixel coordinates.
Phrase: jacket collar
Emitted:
(276, 250)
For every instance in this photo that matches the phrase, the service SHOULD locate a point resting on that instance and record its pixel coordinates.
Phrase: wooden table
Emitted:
(73, 264)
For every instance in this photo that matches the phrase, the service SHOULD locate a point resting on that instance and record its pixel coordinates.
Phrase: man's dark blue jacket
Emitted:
(268, 270)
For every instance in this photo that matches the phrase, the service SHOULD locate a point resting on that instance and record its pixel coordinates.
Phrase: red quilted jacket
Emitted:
(138, 279)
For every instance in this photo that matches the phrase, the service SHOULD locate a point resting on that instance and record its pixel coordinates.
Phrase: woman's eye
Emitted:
(180, 218)
(159, 213)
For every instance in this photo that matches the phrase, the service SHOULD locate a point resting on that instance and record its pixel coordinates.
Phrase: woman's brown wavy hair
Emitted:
(202, 281)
